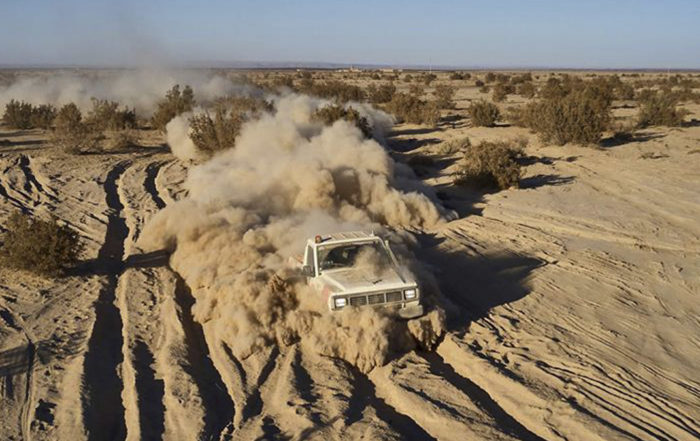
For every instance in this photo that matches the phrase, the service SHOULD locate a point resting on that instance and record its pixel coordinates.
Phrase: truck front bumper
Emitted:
(411, 310)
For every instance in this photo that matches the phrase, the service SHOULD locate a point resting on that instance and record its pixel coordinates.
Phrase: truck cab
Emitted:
(359, 269)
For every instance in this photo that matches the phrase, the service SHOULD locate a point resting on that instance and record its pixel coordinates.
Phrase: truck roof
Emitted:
(347, 236)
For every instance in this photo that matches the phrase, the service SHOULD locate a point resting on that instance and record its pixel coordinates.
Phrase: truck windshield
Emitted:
(352, 254)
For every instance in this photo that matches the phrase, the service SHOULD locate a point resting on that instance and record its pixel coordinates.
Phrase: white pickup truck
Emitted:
(359, 269)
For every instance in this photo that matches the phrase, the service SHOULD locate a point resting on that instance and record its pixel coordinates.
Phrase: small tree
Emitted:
(484, 113)
(175, 103)
(44, 247)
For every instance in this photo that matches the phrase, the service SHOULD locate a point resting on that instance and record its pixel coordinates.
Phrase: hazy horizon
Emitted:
(540, 34)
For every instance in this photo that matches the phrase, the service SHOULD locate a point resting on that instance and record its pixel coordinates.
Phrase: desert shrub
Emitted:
(174, 103)
(339, 91)
(659, 109)
(121, 140)
(44, 247)
(444, 96)
(213, 134)
(453, 146)
(484, 89)
(71, 133)
(624, 91)
(580, 117)
(527, 89)
(484, 113)
(416, 90)
(18, 115)
(429, 78)
(522, 78)
(106, 115)
(460, 76)
(490, 77)
(282, 81)
(43, 116)
(410, 108)
(380, 94)
(479, 83)
(552, 89)
(407, 78)
(490, 165)
(332, 113)
(501, 91)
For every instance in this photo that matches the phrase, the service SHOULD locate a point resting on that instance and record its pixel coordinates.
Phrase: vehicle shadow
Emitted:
(474, 283)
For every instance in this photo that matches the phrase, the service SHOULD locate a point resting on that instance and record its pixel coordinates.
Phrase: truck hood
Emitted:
(350, 280)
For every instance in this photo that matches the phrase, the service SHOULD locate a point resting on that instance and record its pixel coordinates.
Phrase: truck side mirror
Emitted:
(307, 271)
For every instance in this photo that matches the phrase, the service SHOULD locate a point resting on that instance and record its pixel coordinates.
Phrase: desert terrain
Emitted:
(571, 300)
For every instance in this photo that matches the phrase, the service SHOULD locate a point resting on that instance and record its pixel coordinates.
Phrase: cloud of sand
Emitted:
(139, 89)
(251, 207)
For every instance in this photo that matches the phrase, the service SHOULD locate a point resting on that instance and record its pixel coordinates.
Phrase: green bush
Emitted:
(44, 247)
(410, 108)
(484, 113)
(444, 96)
(18, 115)
(490, 165)
(174, 103)
(659, 109)
(332, 113)
(105, 115)
(580, 116)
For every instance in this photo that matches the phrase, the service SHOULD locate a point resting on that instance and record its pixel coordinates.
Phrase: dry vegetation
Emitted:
(44, 247)
(490, 165)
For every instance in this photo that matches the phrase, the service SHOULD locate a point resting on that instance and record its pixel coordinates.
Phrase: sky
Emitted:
(663, 34)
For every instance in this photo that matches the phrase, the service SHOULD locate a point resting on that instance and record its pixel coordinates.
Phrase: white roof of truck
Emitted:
(347, 236)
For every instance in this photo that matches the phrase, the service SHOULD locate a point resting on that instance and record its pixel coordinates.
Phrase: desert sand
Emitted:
(576, 295)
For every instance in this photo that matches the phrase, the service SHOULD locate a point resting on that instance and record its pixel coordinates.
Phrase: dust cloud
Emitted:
(140, 89)
(251, 207)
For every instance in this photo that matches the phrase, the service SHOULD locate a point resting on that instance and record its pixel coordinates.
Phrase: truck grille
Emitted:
(376, 298)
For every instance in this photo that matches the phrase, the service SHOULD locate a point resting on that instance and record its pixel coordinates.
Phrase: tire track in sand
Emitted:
(217, 403)
(103, 410)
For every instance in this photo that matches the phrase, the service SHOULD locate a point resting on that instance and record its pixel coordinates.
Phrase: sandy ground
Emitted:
(579, 297)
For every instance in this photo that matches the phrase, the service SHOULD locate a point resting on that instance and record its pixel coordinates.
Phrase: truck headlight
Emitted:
(339, 302)
(410, 294)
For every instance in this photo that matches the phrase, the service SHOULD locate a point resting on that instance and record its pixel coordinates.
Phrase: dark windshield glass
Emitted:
(346, 255)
